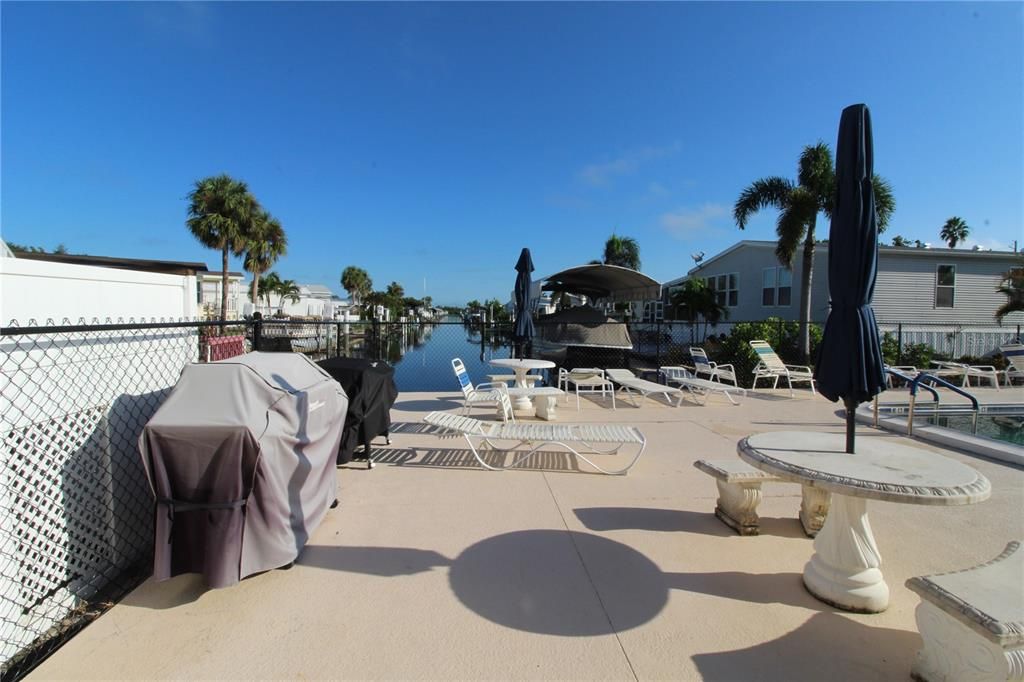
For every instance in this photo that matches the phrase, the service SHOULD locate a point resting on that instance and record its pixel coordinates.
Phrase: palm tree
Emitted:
(799, 205)
(220, 215)
(900, 241)
(622, 251)
(696, 300)
(288, 289)
(1013, 288)
(269, 284)
(954, 231)
(265, 243)
(357, 283)
(395, 291)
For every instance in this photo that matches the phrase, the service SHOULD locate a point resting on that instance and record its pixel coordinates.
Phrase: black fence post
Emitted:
(657, 347)
(337, 340)
(257, 334)
(899, 343)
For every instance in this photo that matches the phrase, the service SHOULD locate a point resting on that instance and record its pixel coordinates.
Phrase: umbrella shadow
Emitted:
(818, 646)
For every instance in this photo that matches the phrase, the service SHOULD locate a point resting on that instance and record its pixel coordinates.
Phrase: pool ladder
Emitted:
(915, 384)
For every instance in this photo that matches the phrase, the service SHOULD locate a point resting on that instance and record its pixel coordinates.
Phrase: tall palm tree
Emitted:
(357, 283)
(220, 213)
(265, 243)
(954, 231)
(1013, 288)
(288, 289)
(799, 205)
(622, 251)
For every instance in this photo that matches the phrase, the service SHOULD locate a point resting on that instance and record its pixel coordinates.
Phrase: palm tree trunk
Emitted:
(224, 285)
(805, 294)
(256, 288)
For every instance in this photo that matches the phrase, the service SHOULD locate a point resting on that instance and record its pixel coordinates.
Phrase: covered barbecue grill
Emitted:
(241, 458)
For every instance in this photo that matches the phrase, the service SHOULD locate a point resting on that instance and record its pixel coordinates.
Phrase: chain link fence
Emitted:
(76, 509)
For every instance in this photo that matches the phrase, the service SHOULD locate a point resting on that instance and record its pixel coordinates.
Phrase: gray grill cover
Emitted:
(241, 457)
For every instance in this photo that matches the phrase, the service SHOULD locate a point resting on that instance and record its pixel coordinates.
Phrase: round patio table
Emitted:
(844, 570)
(521, 367)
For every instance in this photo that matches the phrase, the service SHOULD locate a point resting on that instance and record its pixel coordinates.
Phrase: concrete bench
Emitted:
(972, 621)
(505, 378)
(545, 399)
(739, 493)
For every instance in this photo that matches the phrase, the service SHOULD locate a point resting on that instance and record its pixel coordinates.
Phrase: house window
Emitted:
(726, 288)
(777, 287)
(945, 283)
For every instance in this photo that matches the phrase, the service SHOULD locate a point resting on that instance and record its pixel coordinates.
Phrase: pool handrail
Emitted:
(915, 383)
(907, 378)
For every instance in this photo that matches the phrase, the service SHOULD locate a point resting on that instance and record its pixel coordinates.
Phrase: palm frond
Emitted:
(817, 174)
(792, 225)
(771, 192)
(885, 202)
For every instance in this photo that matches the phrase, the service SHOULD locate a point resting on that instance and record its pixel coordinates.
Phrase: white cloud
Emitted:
(684, 223)
(601, 174)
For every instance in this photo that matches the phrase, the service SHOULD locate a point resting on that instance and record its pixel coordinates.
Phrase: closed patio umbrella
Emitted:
(522, 332)
(850, 364)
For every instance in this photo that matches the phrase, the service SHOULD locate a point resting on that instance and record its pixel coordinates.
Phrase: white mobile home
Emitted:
(915, 285)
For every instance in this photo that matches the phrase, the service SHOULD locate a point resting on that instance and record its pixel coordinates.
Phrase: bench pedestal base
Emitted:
(953, 652)
(737, 506)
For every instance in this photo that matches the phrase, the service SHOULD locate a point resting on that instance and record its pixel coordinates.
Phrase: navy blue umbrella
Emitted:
(522, 332)
(850, 364)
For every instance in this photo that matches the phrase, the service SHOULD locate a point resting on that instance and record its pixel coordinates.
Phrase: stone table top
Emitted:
(521, 363)
(881, 469)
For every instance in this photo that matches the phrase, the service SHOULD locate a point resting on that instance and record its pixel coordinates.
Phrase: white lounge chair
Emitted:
(1014, 354)
(715, 372)
(629, 383)
(481, 394)
(700, 388)
(771, 366)
(958, 370)
(601, 439)
(585, 380)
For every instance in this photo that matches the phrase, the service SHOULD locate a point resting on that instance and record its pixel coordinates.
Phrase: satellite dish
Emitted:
(697, 256)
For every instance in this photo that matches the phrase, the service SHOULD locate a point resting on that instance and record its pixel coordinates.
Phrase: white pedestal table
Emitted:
(522, 366)
(845, 568)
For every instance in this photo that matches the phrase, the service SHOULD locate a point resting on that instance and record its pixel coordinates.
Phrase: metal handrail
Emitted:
(907, 378)
(915, 383)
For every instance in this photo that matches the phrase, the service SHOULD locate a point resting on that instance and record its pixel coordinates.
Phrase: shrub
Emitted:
(781, 335)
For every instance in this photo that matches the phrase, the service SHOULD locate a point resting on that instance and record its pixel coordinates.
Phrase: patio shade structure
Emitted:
(609, 282)
(850, 364)
(522, 332)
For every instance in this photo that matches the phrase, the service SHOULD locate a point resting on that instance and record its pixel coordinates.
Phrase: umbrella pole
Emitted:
(851, 424)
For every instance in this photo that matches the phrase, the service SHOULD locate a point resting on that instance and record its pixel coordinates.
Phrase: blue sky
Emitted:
(430, 142)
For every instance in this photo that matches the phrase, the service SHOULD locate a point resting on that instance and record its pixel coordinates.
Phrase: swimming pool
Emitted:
(999, 433)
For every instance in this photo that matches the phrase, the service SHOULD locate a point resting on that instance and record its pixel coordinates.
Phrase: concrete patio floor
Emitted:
(433, 568)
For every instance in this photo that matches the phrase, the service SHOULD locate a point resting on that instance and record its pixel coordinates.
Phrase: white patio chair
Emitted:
(958, 370)
(715, 372)
(771, 366)
(1014, 354)
(600, 439)
(488, 393)
(585, 380)
(700, 388)
(629, 383)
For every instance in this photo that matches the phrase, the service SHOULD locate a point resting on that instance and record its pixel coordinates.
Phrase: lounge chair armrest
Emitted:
(491, 386)
(984, 368)
(945, 364)
(802, 368)
(728, 367)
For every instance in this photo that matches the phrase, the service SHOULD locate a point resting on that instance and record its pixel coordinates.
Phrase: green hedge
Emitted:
(782, 336)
